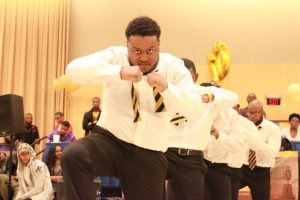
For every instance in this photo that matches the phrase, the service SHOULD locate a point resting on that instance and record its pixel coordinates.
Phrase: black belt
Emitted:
(186, 152)
(209, 163)
(256, 168)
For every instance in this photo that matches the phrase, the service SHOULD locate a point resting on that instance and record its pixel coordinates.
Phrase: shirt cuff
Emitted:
(116, 71)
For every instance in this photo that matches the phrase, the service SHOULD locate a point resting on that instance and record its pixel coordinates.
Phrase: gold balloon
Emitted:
(219, 62)
(293, 92)
(212, 68)
(63, 82)
(56, 85)
(73, 87)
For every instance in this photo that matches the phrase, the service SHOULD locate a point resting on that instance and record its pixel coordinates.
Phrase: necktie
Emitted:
(135, 105)
(252, 157)
(159, 104)
(177, 119)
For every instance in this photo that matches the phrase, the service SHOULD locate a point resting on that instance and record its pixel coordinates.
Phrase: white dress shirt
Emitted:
(270, 134)
(251, 138)
(227, 122)
(285, 133)
(195, 133)
(117, 113)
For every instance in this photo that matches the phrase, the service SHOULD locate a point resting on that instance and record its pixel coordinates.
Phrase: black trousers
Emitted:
(186, 174)
(236, 175)
(142, 172)
(217, 182)
(258, 180)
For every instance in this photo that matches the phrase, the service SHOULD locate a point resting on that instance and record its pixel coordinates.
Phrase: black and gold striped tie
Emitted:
(159, 101)
(135, 105)
(177, 119)
(252, 159)
(252, 156)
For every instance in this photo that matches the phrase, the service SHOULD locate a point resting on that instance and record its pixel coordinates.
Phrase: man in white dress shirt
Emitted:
(256, 169)
(188, 137)
(226, 137)
(251, 139)
(131, 135)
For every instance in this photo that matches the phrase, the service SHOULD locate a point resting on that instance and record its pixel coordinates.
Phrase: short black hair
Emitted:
(294, 115)
(189, 64)
(66, 123)
(143, 26)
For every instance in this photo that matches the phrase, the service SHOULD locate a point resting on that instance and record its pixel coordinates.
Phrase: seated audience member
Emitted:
(4, 178)
(91, 117)
(4, 147)
(33, 176)
(292, 133)
(31, 134)
(9, 167)
(250, 97)
(59, 118)
(53, 162)
(3, 161)
(64, 134)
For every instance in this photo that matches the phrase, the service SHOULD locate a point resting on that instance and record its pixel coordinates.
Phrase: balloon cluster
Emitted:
(64, 83)
(293, 91)
(219, 62)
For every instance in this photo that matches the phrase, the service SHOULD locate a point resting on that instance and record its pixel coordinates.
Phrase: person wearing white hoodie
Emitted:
(33, 176)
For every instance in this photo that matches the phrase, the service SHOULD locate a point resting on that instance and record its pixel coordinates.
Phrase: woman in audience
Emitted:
(292, 133)
(53, 163)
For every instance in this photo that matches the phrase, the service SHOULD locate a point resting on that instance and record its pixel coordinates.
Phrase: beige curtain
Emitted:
(33, 52)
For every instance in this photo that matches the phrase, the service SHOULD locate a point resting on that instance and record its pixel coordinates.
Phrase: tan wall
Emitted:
(263, 37)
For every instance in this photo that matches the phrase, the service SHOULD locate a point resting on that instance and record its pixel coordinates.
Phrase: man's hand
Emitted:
(58, 178)
(207, 98)
(131, 73)
(156, 80)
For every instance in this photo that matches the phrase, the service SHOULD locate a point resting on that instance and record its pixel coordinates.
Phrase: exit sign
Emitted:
(273, 101)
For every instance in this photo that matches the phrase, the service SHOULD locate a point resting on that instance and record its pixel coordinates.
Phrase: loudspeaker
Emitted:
(11, 115)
